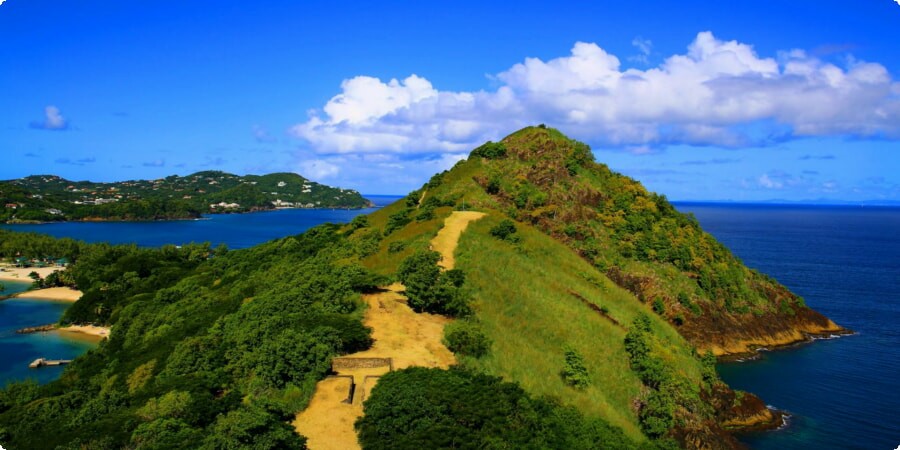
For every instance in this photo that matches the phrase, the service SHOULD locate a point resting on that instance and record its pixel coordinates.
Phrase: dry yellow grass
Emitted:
(447, 239)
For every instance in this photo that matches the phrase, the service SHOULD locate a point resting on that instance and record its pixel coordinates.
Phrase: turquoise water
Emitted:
(845, 262)
(18, 350)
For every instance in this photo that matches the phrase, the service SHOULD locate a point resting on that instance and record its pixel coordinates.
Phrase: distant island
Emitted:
(50, 198)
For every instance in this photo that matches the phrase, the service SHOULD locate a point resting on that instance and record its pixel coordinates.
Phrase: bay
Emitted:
(234, 230)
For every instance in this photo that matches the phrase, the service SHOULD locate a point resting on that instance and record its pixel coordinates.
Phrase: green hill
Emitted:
(587, 313)
(52, 198)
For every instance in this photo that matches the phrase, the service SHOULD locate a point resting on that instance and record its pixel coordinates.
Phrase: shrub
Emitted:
(433, 408)
(396, 247)
(574, 372)
(493, 186)
(505, 230)
(397, 220)
(659, 306)
(658, 415)
(359, 222)
(425, 214)
(141, 375)
(430, 290)
(466, 338)
(490, 150)
(686, 301)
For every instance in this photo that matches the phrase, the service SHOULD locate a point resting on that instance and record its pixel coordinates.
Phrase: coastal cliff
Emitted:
(735, 336)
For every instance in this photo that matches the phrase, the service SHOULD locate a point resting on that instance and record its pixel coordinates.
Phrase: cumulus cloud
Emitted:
(644, 46)
(53, 120)
(716, 93)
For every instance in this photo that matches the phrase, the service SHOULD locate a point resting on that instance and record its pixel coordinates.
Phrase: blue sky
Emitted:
(743, 101)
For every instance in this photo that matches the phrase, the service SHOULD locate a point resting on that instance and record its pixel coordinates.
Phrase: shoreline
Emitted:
(10, 273)
(90, 330)
(177, 219)
(754, 352)
(62, 294)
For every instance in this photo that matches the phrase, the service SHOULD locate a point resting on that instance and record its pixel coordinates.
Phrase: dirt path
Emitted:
(446, 239)
(408, 338)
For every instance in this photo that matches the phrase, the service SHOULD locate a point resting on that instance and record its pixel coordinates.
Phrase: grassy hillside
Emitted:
(540, 177)
(531, 314)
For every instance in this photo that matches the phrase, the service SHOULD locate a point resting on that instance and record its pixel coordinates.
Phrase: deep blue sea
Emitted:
(234, 230)
(845, 262)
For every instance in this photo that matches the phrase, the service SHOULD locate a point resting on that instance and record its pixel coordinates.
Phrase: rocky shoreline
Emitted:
(37, 329)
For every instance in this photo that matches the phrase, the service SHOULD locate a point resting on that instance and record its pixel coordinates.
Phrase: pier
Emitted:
(42, 362)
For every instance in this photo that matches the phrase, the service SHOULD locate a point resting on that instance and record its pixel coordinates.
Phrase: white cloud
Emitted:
(769, 183)
(644, 46)
(53, 120)
(716, 93)
(318, 169)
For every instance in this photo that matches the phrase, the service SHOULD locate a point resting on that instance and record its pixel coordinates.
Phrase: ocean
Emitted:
(844, 261)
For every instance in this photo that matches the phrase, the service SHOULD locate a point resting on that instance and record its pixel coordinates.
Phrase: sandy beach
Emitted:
(54, 293)
(11, 273)
(91, 330)
(21, 273)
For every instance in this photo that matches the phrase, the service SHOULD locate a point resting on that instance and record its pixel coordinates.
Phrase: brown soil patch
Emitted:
(327, 419)
(410, 339)
(446, 239)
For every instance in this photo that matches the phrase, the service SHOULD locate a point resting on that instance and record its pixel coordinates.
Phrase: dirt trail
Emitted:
(408, 338)
(446, 239)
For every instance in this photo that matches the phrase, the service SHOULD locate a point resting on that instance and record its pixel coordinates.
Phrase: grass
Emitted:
(525, 303)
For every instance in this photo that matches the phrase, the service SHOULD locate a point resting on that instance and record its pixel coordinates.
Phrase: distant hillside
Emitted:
(52, 198)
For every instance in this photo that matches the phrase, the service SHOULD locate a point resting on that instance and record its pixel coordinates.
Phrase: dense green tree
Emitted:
(433, 408)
